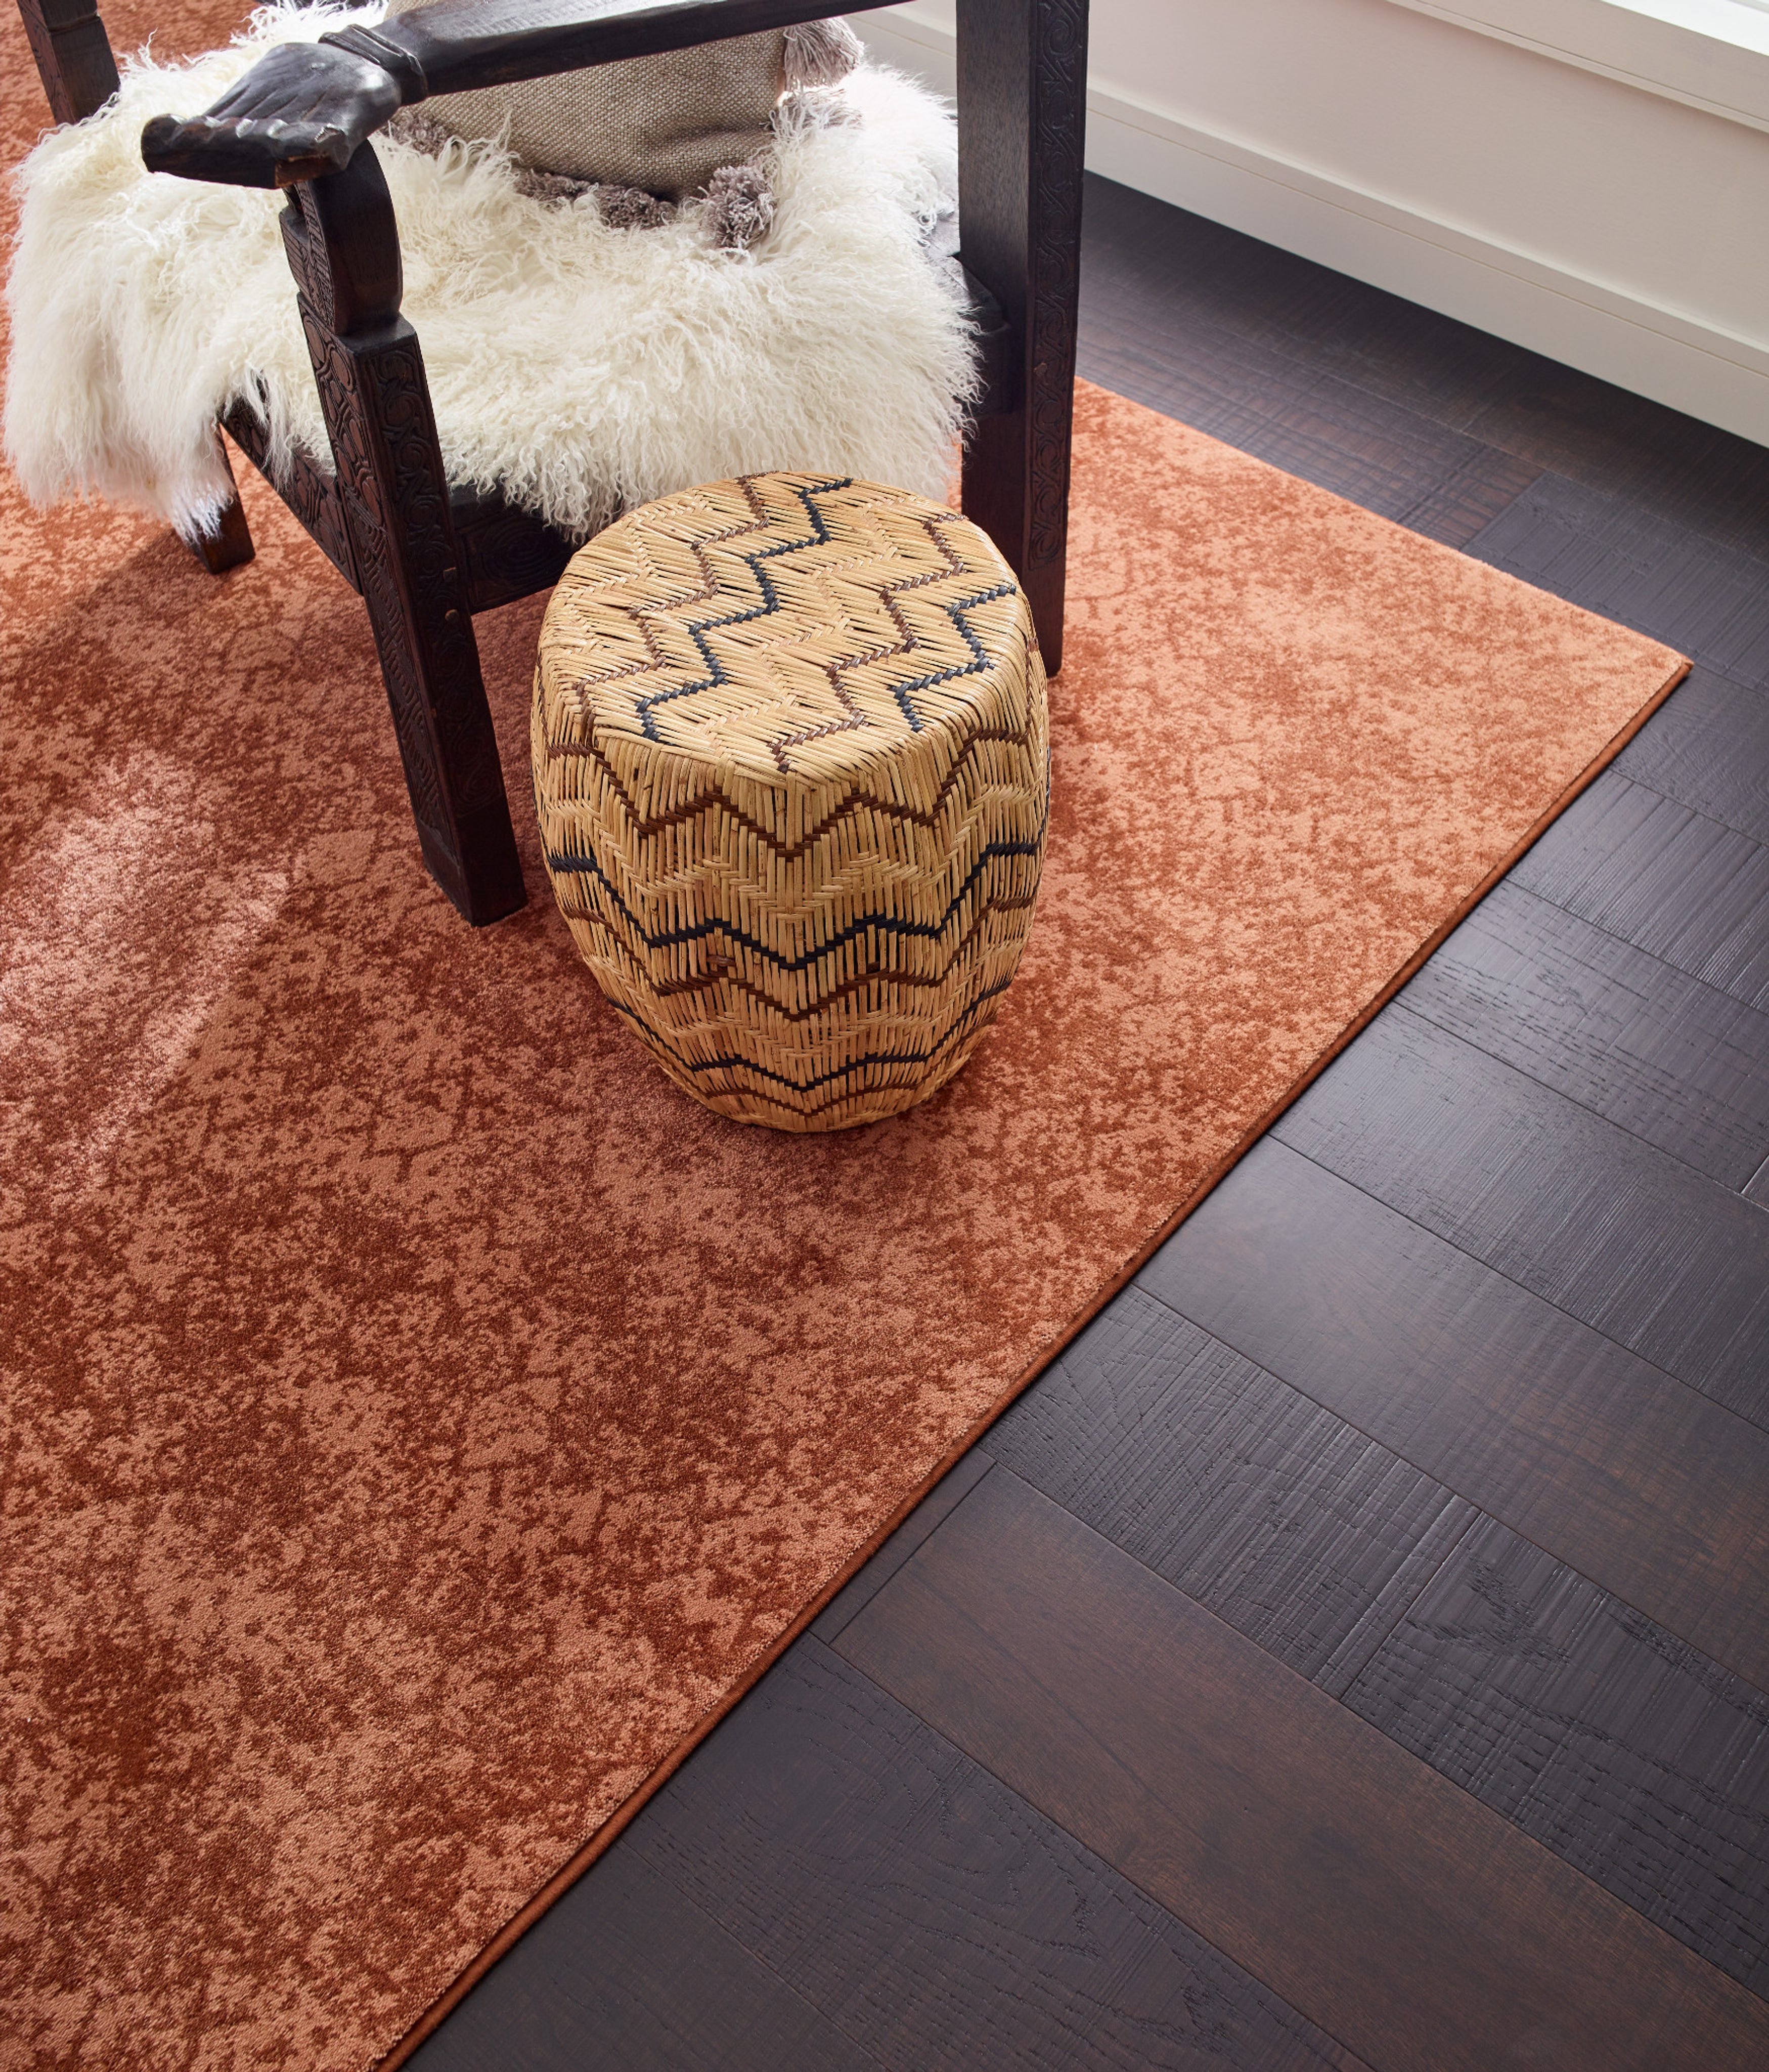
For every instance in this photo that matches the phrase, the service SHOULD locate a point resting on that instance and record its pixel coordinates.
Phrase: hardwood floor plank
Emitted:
(951, 1489)
(1679, 1064)
(1269, 1511)
(938, 1919)
(1675, 468)
(1619, 1234)
(1155, 266)
(1709, 601)
(623, 1974)
(1358, 445)
(1469, 498)
(1640, 1482)
(1637, 1759)
(1159, 270)
(1380, 1900)
(1708, 746)
(1655, 873)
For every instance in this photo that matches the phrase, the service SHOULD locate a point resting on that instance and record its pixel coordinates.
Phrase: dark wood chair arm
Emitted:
(493, 43)
(303, 109)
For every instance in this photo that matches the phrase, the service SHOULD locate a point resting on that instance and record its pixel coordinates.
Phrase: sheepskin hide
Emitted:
(579, 366)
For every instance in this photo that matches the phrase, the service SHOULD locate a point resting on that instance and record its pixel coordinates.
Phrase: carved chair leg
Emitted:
(73, 55)
(1022, 115)
(227, 544)
(344, 252)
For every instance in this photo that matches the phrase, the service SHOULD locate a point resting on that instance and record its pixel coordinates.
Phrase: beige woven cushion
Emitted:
(664, 124)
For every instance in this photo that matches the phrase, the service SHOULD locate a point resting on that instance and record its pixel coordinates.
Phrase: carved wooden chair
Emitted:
(425, 558)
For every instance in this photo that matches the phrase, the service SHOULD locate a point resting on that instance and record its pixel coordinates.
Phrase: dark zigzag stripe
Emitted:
(914, 981)
(901, 691)
(822, 1078)
(672, 939)
(706, 801)
(769, 604)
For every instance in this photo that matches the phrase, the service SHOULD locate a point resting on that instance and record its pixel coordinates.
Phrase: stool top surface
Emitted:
(785, 625)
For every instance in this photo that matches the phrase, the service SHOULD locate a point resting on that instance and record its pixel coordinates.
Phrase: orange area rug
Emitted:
(419, 1420)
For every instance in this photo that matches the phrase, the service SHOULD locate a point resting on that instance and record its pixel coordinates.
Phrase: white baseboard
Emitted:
(1655, 351)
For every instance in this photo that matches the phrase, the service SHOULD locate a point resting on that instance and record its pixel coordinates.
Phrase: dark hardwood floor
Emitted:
(1352, 1651)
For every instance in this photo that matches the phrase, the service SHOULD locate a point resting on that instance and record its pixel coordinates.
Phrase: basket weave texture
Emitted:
(791, 759)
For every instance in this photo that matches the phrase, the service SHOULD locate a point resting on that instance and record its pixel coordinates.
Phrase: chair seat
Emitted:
(507, 552)
(791, 759)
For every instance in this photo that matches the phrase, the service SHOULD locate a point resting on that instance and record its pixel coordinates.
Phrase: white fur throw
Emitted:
(580, 368)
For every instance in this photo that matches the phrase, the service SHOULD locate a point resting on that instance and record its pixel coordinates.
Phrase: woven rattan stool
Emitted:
(791, 755)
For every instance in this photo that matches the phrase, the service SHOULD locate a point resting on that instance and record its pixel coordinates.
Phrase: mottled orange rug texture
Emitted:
(419, 1420)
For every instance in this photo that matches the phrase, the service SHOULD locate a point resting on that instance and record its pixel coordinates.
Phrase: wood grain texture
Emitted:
(1707, 746)
(1710, 600)
(1635, 1758)
(625, 1973)
(1473, 492)
(950, 1490)
(1315, 424)
(1153, 273)
(1671, 468)
(1644, 1484)
(1380, 1900)
(1631, 1037)
(930, 1913)
(1633, 1242)
(1269, 1511)
(1657, 874)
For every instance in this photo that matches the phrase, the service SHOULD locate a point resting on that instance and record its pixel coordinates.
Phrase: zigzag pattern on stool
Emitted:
(792, 767)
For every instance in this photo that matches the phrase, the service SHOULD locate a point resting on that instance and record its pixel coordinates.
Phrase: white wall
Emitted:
(1589, 178)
